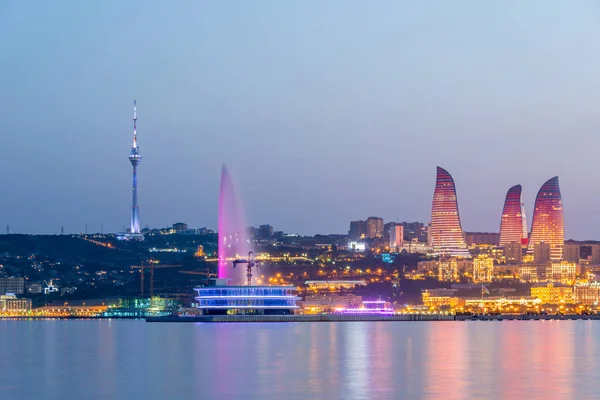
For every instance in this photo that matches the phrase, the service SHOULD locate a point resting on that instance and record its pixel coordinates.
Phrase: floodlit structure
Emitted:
(135, 158)
(223, 300)
(548, 220)
(483, 269)
(446, 231)
(513, 225)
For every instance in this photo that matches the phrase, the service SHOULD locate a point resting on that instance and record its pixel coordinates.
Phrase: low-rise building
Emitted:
(552, 292)
(587, 293)
(10, 303)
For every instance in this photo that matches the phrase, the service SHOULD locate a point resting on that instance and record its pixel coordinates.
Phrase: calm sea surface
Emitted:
(360, 360)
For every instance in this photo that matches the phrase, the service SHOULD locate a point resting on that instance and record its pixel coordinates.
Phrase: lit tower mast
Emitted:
(135, 158)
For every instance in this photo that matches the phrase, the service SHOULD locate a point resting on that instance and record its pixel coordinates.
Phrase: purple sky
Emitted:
(324, 112)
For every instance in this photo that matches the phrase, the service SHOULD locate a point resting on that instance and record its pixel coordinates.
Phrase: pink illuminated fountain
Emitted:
(233, 237)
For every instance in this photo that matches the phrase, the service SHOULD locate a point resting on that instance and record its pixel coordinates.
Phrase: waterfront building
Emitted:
(316, 304)
(571, 252)
(224, 300)
(142, 307)
(548, 220)
(436, 298)
(513, 224)
(587, 293)
(513, 253)
(552, 292)
(481, 238)
(10, 303)
(483, 269)
(12, 285)
(396, 237)
(446, 231)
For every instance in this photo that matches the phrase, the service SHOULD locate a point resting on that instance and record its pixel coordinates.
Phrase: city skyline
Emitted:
(305, 127)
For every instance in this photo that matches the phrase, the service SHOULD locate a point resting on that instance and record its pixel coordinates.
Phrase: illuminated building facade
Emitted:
(552, 292)
(448, 270)
(548, 219)
(533, 272)
(221, 300)
(483, 269)
(587, 293)
(446, 231)
(563, 271)
(10, 303)
(513, 225)
(396, 237)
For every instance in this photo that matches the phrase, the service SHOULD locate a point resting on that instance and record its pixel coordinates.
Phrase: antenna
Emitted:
(62, 229)
(8, 229)
(134, 123)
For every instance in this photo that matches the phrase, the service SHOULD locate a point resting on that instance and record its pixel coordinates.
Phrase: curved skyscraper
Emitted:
(446, 232)
(548, 224)
(513, 226)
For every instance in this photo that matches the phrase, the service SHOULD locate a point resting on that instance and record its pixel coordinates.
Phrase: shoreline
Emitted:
(366, 318)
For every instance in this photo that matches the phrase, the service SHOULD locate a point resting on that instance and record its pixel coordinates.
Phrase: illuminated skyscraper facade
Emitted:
(513, 227)
(446, 232)
(548, 224)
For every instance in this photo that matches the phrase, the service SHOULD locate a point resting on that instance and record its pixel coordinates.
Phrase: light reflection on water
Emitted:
(385, 360)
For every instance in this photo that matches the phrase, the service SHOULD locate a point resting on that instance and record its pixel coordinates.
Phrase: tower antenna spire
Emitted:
(134, 124)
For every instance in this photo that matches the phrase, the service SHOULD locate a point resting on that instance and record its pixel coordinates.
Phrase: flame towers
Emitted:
(513, 226)
(446, 232)
(135, 158)
(548, 224)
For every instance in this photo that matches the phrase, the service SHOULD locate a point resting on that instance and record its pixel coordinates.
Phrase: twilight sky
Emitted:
(324, 112)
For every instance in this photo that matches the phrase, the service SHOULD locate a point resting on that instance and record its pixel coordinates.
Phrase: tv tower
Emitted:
(135, 158)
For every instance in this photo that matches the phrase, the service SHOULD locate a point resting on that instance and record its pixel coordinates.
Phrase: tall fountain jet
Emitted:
(233, 237)
(135, 158)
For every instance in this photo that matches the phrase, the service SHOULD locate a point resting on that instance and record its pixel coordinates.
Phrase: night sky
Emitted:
(324, 112)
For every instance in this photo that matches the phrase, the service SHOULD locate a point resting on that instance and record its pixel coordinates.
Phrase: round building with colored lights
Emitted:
(248, 300)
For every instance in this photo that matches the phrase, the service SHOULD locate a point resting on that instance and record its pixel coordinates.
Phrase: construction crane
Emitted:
(151, 266)
(250, 263)
(206, 273)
